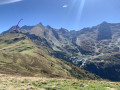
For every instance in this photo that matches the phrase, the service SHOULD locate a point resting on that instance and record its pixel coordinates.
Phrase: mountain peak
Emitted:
(63, 30)
(40, 24)
(104, 31)
(49, 27)
(104, 23)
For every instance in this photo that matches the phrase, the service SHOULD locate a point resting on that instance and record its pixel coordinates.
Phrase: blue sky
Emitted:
(70, 14)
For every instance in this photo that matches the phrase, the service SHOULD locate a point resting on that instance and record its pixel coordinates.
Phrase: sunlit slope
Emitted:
(19, 56)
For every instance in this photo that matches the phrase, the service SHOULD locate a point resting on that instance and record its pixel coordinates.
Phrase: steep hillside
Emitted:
(59, 41)
(20, 56)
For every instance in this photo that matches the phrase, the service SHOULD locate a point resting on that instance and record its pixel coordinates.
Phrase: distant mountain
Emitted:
(73, 41)
(104, 31)
(84, 48)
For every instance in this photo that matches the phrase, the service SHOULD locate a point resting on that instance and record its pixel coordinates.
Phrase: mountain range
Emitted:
(59, 52)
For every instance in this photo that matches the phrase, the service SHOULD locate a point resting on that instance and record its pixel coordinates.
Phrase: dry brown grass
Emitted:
(10, 82)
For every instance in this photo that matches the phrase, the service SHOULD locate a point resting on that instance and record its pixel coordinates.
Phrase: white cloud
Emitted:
(65, 6)
(2, 2)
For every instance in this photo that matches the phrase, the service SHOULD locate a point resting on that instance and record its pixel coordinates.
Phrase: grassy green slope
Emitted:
(19, 56)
